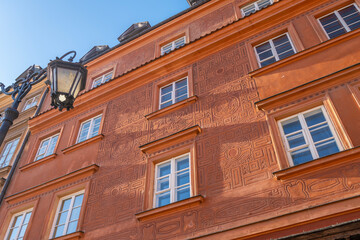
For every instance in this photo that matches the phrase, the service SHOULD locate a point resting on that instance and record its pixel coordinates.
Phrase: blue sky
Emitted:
(35, 31)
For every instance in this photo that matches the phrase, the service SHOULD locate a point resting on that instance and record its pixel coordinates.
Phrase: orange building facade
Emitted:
(234, 119)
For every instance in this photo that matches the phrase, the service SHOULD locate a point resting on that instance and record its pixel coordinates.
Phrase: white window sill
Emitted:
(318, 164)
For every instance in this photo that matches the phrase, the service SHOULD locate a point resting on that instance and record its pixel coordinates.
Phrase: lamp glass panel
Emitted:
(65, 79)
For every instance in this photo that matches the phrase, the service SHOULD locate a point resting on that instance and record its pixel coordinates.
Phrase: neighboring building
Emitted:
(17, 132)
(231, 120)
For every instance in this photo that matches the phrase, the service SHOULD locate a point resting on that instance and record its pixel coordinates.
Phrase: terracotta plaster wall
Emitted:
(234, 155)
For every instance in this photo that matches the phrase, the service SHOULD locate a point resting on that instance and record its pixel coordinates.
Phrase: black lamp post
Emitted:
(67, 79)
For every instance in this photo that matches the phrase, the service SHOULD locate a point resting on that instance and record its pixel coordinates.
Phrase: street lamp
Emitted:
(67, 79)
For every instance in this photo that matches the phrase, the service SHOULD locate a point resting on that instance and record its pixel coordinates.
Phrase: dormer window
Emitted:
(104, 78)
(173, 45)
(31, 102)
(255, 6)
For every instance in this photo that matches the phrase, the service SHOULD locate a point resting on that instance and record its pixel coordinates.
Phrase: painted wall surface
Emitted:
(235, 154)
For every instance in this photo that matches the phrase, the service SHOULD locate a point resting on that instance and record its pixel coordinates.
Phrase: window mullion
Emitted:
(90, 127)
(68, 215)
(173, 179)
(173, 93)
(308, 136)
(273, 50)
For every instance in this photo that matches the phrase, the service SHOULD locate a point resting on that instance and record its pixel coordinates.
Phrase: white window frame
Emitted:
(72, 196)
(91, 127)
(7, 154)
(173, 92)
(255, 5)
(102, 79)
(272, 48)
(47, 148)
(306, 133)
(21, 223)
(32, 102)
(172, 178)
(172, 43)
(339, 17)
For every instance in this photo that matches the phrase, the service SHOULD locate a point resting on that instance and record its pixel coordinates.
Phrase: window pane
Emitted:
(296, 140)
(178, 99)
(351, 16)
(163, 199)
(65, 204)
(265, 55)
(179, 42)
(59, 231)
(180, 84)
(263, 47)
(52, 146)
(97, 82)
(165, 104)
(327, 148)
(182, 163)
(263, 3)
(181, 92)
(164, 170)
(17, 221)
(84, 131)
(321, 132)
(27, 218)
(166, 97)
(72, 227)
(314, 117)
(301, 156)
(291, 125)
(75, 213)
(62, 218)
(249, 9)
(163, 184)
(182, 193)
(13, 232)
(78, 200)
(267, 62)
(22, 231)
(95, 127)
(167, 89)
(182, 179)
(107, 77)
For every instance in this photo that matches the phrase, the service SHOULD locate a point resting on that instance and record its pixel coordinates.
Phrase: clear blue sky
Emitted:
(35, 31)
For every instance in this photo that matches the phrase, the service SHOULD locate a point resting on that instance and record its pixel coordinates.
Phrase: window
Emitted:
(31, 102)
(67, 215)
(47, 147)
(18, 225)
(8, 152)
(341, 21)
(174, 92)
(255, 6)
(102, 79)
(172, 180)
(89, 128)
(274, 50)
(309, 135)
(173, 45)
